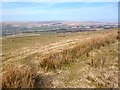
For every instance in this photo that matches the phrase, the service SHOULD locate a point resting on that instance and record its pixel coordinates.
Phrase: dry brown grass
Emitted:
(57, 59)
(22, 77)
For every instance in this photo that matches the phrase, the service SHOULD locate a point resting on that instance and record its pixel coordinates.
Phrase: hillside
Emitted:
(79, 59)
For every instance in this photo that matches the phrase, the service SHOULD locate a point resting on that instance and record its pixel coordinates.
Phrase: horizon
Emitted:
(60, 11)
(56, 21)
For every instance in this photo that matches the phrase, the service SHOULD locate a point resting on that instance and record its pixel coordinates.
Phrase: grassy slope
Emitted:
(16, 47)
(13, 46)
(81, 73)
(101, 75)
(14, 43)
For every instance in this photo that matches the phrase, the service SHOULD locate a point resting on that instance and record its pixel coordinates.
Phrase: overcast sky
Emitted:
(64, 11)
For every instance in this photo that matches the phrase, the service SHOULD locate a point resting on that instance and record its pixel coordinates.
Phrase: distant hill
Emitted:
(69, 23)
(10, 28)
(88, 23)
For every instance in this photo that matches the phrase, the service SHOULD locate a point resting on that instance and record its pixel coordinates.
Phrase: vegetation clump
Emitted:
(22, 77)
(57, 59)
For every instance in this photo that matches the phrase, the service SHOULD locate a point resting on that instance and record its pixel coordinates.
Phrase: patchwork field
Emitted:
(71, 60)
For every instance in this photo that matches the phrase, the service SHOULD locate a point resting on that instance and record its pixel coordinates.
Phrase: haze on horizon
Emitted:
(59, 11)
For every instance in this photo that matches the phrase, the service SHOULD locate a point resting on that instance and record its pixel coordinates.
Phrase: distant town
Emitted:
(53, 26)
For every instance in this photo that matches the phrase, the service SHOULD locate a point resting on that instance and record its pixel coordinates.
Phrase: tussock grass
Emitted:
(80, 74)
(55, 60)
(22, 77)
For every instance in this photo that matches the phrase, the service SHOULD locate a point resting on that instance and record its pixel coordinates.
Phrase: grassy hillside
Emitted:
(83, 59)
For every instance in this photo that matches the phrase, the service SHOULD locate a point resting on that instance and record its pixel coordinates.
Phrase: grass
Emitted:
(55, 60)
(84, 54)
(14, 47)
(22, 77)
(14, 43)
(81, 74)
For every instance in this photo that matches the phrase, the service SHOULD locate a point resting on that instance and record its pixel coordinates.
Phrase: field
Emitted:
(69, 60)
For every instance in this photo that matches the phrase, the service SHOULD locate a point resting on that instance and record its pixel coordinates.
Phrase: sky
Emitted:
(59, 11)
(60, 0)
